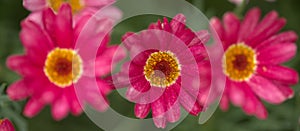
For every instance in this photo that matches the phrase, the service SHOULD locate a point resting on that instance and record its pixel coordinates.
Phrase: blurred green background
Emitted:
(284, 117)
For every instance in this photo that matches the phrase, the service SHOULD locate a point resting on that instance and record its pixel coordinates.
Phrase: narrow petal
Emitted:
(253, 106)
(250, 21)
(172, 104)
(266, 90)
(34, 5)
(276, 54)
(141, 110)
(284, 37)
(277, 26)
(231, 26)
(18, 90)
(60, 108)
(189, 104)
(178, 23)
(159, 112)
(22, 65)
(63, 33)
(279, 73)
(237, 94)
(216, 24)
(33, 107)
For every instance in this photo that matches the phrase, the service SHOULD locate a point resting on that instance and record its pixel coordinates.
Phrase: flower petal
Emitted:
(279, 73)
(276, 54)
(253, 106)
(266, 90)
(33, 107)
(284, 37)
(141, 110)
(18, 90)
(250, 21)
(231, 26)
(60, 108)
(34, 5)
(22, 65)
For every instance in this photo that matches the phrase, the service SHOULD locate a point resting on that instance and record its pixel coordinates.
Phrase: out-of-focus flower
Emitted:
(76, 5)
(239, 2)
(6, 125)
(254, 51)
(157, 75)
(51, 66)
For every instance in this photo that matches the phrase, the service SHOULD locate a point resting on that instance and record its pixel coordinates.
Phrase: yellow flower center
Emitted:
(63, 67)
(162, 69)
(76, 5)
(239, 62)
(1, 121)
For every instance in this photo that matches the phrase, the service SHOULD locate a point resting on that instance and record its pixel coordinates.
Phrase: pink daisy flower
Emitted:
(76, 5)
(163, 73)
(51, 66)
(254, 51)
(6, 125)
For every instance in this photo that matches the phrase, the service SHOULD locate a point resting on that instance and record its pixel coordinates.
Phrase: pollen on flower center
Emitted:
(239, 62)
(162, 69)
(63, 67)
(76, 5)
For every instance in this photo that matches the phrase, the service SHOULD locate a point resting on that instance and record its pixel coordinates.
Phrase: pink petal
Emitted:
(60, 108)
(250, 21)
(284, 37)
(266, 90)
(34, 5)
(286, 91)
(178, 23)
(279, 73)
(48, 19)
(74, 104)
(231, 26)
(172, 104)
(189, 104)
(277, 26)
(264, 25)
(33, 107)
(253, 105)
(63, 30)
(216, 24)
(160, 122)
(104, 61)
(18, 90)
(237, 94)
(6, 125)
(31, 37)
(22, 65)
(276, 54)
(98, 2)
(224, 103)
(141, 110)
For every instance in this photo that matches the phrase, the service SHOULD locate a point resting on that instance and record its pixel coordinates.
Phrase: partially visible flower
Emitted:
(239, 2)
(51, 66)
(6, 125)
(254, 51)
(76, 5)
(162, 75)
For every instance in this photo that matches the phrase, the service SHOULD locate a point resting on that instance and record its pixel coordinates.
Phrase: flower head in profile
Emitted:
(163, 73)
(254, 51)
(51, 65)
(6, 125)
